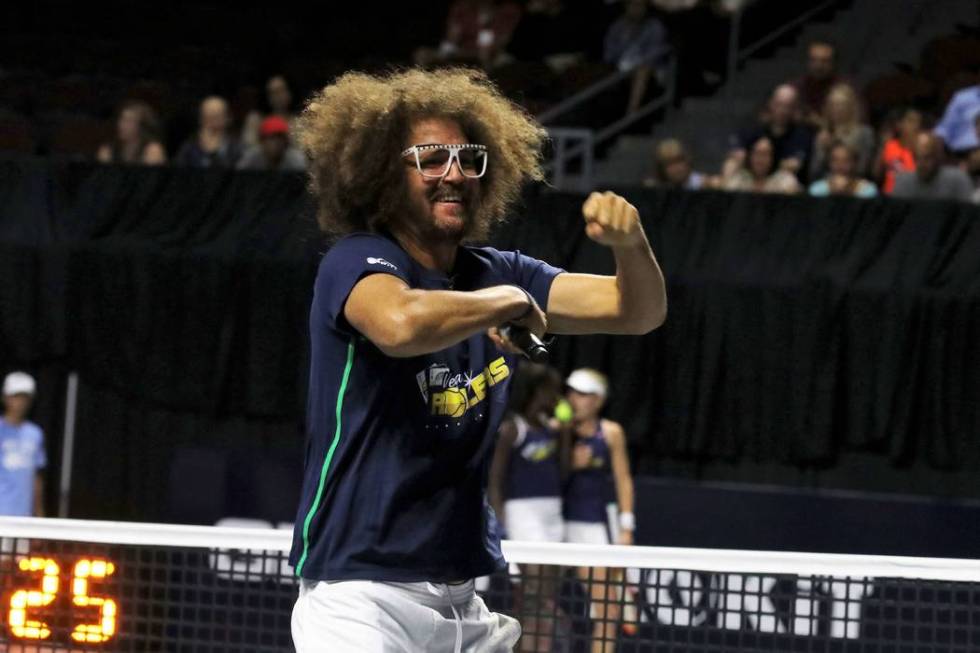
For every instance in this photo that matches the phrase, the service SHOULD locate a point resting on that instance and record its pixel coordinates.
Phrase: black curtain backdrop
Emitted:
(828, 342)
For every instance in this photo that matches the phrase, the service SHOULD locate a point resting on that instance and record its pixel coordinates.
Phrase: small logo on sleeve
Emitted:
(380, 261)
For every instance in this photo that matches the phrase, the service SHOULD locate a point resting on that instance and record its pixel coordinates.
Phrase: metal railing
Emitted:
(572, 143)
(662, 101)
(567, 144)
(589, 92)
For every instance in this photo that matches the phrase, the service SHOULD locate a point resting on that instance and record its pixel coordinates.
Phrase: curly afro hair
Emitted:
(355, 129)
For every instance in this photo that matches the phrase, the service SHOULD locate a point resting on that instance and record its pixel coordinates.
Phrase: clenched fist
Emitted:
(612, 221)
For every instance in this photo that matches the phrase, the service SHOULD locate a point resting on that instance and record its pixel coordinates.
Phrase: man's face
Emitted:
(909, 125)
(782, 105)
(273, 147)
(820, 61)
(214, 115)
(973, 162)
(445, 206)
(16, 406)
(128, 127)
(277, 92)
(584, 406)
(927, 156)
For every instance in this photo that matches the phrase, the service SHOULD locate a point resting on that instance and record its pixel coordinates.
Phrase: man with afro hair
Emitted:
(409, 366)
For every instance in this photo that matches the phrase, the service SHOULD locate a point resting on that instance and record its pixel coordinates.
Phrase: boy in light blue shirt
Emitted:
(22, 456)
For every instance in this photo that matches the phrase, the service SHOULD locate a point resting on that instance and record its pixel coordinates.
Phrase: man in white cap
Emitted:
(22, 456)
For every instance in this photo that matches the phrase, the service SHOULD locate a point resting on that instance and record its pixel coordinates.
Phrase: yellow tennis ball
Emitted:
(563, 412)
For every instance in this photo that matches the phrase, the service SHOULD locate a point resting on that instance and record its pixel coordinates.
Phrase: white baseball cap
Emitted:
(18, 383)
(587, 382)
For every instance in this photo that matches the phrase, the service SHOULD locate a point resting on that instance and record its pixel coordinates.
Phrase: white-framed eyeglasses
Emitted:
(434, 160)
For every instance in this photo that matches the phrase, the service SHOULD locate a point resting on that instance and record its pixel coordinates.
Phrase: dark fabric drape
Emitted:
(798, 327)
(800, 332)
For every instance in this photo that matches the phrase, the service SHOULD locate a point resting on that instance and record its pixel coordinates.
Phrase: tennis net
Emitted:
(76, 586)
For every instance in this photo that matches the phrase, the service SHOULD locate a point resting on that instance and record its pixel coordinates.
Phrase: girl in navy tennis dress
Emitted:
(599, 482)
(525, 490)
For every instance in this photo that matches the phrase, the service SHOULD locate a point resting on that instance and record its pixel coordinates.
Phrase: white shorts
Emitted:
(586, 532)
(537, 519)
(361, 616)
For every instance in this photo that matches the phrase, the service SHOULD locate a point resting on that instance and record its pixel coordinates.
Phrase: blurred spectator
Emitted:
(843, 178)
(761, 174)
(22, 455)
(279, 99)
(932, 179)
(791, 140)
(274, 152)
(636, 41)
(672, 168)
(956, 125)
(549, 32)
(699, 32)
(821, 75)
(212, 146)
(841, 121)
(477, 31)
(897, 155)
(137, 138)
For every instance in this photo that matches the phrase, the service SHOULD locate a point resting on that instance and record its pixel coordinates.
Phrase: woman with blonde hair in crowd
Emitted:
(673, 168)
(841, 121)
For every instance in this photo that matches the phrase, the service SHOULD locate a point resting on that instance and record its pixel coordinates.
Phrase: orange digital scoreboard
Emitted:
(75, 596)
(61, 602)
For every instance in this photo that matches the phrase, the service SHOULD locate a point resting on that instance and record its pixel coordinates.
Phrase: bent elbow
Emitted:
(647, 322)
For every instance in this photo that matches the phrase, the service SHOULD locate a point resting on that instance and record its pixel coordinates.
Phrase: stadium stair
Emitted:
(873, 38)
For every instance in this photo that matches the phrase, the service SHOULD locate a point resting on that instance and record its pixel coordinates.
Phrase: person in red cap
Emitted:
(274, 151)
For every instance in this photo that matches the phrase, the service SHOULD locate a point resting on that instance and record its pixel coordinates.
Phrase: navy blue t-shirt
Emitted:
(398, 449)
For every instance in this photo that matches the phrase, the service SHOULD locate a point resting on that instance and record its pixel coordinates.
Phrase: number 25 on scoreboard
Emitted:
(23, 600)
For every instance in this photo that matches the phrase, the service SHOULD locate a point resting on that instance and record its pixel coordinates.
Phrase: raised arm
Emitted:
(402, 321)
(632, 302)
